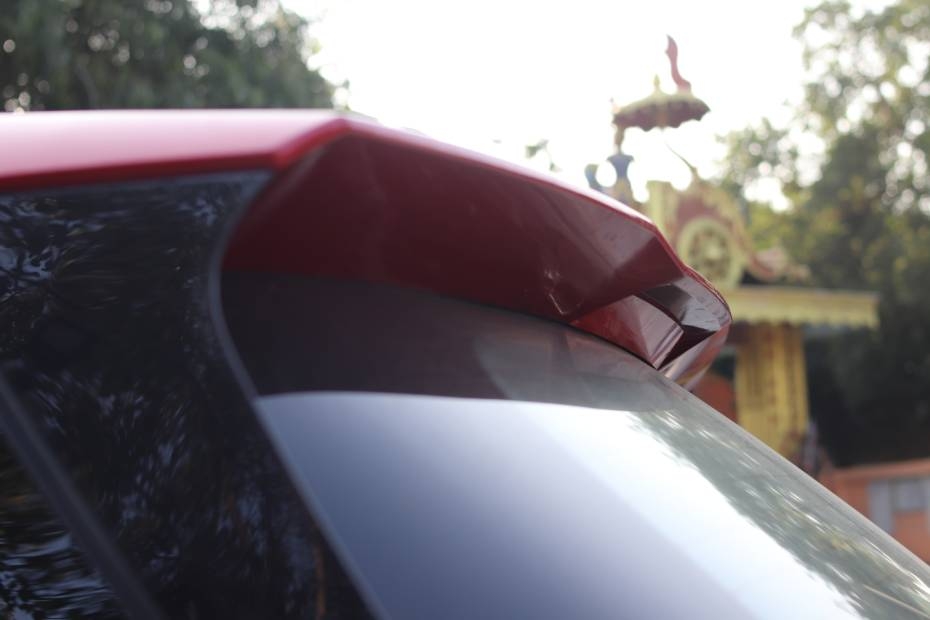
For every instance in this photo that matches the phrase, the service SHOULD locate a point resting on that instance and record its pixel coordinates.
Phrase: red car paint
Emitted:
(350, 198)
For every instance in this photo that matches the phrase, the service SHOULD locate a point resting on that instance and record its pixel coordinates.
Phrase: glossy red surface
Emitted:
(67, 148)
(354, 199)
(386, 206)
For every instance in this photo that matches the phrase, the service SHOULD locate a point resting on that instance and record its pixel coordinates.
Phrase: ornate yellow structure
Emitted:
(707, 230)
(770, 379)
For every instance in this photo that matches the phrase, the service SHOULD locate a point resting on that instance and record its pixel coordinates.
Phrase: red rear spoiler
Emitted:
(353, 199)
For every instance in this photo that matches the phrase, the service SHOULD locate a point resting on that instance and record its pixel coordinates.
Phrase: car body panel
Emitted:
(57, 149)
(349, 197)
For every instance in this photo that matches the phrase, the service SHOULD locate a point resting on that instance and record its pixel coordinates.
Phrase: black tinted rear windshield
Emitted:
(304, 334)
(760, 535)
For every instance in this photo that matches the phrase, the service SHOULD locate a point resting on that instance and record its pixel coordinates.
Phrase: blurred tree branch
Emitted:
(68, 54)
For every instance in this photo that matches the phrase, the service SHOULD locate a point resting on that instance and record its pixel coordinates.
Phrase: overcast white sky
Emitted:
(494, 75)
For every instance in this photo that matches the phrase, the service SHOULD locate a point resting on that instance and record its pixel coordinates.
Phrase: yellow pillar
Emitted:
(771, 386)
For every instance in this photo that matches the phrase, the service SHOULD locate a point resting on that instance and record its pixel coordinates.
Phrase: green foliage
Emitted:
(74, 54)
(859, 216)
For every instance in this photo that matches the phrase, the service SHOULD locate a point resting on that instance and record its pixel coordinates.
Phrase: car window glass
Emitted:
(42, 572)
(109, 340)
(325, 352)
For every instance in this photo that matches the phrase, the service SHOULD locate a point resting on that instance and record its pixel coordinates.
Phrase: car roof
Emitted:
(68, 148)
(626, 283)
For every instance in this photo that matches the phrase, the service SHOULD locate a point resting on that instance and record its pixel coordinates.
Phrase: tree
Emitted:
(858, 216)
(78, 54)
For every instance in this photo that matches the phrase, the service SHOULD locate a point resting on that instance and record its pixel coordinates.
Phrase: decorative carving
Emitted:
(708, 246)
(707, 228)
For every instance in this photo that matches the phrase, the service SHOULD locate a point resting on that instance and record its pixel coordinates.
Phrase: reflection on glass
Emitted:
(716, 478)
(870, 577)
(42, 573)
(107, 337)
(826, 537)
